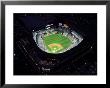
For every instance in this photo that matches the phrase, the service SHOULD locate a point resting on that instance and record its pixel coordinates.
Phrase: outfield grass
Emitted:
(56, 43)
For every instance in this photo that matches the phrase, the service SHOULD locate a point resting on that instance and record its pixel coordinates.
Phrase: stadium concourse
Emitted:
(56, 40)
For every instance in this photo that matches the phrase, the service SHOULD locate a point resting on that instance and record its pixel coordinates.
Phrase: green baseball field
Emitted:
(56, 43)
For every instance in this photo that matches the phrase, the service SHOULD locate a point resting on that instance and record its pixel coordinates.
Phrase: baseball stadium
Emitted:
(56, 40)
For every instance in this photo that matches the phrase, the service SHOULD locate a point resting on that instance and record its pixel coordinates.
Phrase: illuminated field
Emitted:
(56, 43)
